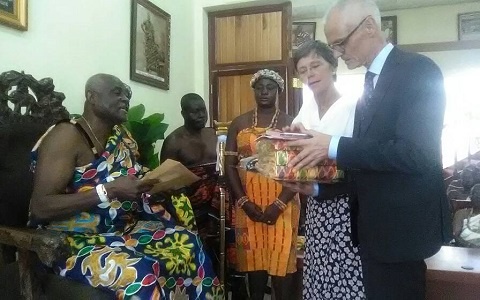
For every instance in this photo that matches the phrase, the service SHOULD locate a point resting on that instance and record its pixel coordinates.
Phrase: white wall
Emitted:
(424, 25)
(430, 24)
(72, 40)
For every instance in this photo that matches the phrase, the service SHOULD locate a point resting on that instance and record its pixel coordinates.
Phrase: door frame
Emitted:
(283, 66)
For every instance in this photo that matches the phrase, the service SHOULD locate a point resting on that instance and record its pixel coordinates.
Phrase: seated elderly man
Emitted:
(87, 184)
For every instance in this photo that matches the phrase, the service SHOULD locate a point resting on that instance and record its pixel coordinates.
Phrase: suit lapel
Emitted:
(357, 118)
(384, 80)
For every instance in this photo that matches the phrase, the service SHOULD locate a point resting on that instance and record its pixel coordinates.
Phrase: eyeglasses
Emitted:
(340, 46)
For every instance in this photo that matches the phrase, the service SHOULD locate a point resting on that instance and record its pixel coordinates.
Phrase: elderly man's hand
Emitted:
(129, 187)
(295, 127)
(305, 188)
(314, 151)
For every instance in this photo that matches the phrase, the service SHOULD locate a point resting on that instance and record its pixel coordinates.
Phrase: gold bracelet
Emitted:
(241, 202)
(280, 204)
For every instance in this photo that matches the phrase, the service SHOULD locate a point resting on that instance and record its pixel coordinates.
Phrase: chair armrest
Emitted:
(47, 244)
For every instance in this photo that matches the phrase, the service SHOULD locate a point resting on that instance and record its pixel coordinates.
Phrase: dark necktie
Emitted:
(366, 99)
(368, 87)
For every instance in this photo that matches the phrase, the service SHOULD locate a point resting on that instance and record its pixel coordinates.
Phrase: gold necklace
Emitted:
(91, 130)
(273, 123)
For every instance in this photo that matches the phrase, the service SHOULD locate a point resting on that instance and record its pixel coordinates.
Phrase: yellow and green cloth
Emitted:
(133, 248)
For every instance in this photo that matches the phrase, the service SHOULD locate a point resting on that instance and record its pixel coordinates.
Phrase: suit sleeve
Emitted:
(415, 146)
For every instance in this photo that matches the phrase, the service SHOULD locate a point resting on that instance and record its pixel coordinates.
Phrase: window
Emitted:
(461, 132)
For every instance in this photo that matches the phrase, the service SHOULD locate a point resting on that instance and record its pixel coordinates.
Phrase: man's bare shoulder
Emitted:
(62, 135)
(209, 131)
(242, 120)
(175, 135)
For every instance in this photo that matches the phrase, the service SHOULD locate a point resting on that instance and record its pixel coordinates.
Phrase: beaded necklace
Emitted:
(273, 123)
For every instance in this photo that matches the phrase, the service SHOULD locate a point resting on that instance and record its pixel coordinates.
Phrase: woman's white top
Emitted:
(337, 121)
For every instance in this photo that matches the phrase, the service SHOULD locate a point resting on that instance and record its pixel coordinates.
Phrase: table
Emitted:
(453, 273)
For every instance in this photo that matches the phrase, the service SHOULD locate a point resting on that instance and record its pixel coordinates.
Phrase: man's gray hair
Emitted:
(356, 10)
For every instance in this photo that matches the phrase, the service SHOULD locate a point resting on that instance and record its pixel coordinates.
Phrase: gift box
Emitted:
(274, 155)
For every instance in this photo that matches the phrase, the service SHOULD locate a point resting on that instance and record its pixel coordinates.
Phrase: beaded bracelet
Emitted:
(241, 202)
(280, 204)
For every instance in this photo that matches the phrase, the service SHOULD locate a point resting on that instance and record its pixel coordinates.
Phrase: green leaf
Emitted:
(147, 151)
(146, 131)
(153, 161)
(154, 119)
(135, 113)
(139, 131)
(156, 132)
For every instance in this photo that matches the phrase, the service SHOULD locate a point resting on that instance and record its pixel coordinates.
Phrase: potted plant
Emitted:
(146, 131)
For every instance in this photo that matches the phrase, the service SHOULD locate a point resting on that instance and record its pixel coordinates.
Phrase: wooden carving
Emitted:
(25, 99)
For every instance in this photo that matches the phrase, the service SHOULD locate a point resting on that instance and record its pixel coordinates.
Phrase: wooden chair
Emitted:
(27, 108)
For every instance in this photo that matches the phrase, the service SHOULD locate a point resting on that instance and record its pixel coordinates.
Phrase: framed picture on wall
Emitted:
(302, 32)
(150, 45)
(14, 13)
(389, 28)
(469, 26)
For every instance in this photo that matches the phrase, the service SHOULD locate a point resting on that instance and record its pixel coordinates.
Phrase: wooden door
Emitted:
(241, 42)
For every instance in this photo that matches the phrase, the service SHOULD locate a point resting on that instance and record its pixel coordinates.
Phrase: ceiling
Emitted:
(312, 9)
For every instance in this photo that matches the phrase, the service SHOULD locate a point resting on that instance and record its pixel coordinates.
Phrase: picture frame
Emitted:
(302, 32)
(150, 44)
(14, 13)
(469, 26)
(389, 28)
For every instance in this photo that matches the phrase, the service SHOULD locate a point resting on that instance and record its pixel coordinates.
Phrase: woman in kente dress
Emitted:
(120, 238)
(266, 216)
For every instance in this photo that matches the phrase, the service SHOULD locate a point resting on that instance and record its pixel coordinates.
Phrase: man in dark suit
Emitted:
(394, 158)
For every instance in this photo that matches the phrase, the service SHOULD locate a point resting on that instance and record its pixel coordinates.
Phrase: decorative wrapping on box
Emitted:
(274, 156)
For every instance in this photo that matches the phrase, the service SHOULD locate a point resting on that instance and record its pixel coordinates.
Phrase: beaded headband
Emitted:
(270, 74)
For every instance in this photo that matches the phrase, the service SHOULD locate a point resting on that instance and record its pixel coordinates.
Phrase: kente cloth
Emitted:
(260, 246)
(204, 196)
(132, 248)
